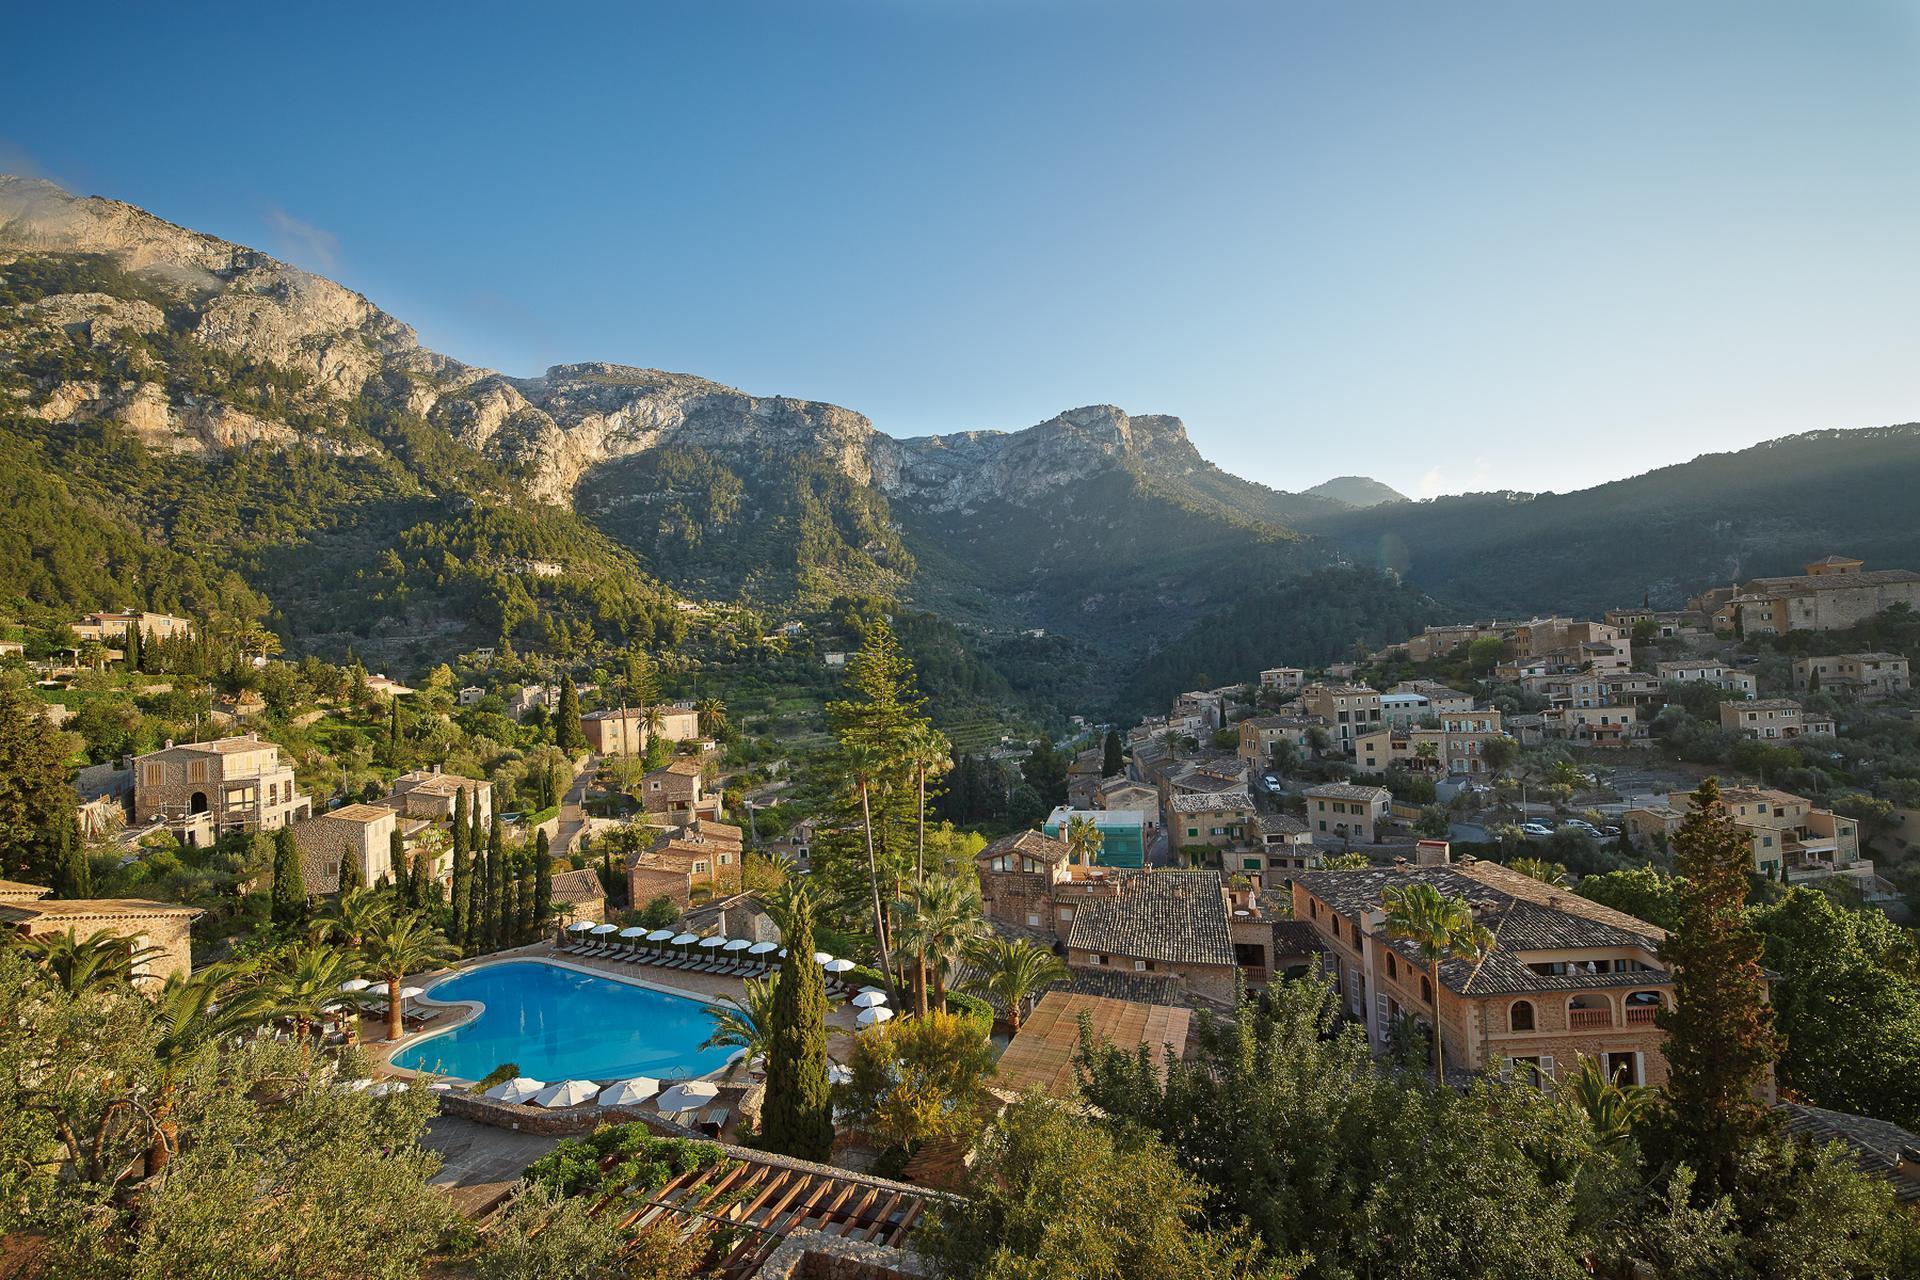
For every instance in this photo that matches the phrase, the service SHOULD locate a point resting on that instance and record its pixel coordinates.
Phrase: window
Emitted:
(1426, 988)
(700, 868)
(1520, 1016)
(1033, 921)
(1393, 967)
(1141, 966)
(726, 859)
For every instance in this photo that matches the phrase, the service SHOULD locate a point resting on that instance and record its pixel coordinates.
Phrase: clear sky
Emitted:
(1451, 246)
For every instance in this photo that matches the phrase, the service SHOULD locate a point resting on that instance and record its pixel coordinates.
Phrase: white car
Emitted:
(1535, 829)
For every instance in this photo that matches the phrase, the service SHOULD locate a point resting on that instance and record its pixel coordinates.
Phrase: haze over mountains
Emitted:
(220, 424)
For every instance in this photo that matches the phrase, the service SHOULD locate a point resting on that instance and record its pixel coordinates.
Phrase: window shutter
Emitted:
(1505, 1065)
(1380, 1010)
(1546, 1066)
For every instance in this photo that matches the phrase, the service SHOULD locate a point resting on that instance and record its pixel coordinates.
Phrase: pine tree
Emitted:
(567, 734)
(797, 1119)
(35, 801)
(542, 882)
(499, 907)
(462, 883)
(288, 901)
(1720, 1039)
(1111, 761)
(75, 878)
(402, 871)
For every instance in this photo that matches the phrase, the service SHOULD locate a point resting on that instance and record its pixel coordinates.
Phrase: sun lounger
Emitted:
(714, 1121)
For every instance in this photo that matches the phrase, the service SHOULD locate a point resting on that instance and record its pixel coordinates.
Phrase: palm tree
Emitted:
(1428, 754)
(80, 963)
(1540, 869)
(1440, 928)
(929, 752)
(745, 1021)
(1010, 970)
(406, 944)
(305, 984)
(354, 916)
(713, 716)
(864, 765)
(192, 1013)
(938, 918)
(1084, 840)
(1612, 1108)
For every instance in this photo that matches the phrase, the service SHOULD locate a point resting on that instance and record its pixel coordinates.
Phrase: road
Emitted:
(573, 813)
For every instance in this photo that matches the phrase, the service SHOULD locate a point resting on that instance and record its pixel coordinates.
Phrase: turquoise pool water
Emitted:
(561, 1024)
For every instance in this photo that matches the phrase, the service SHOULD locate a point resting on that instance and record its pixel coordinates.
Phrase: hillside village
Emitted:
(1112, 892)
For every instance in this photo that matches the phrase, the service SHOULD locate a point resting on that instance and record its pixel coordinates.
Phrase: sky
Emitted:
(1454, 247)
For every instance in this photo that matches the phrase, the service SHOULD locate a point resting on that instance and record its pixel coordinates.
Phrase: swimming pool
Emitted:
(557, 1023)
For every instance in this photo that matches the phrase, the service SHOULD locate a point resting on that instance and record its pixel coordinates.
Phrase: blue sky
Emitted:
(1451, 246)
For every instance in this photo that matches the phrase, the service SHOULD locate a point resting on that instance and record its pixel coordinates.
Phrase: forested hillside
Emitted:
(1664, 535)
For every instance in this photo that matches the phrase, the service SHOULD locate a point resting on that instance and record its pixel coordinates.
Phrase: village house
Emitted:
(1123, 833)
(1709, 671)
(1438, 642)
(1767, 718)
(1347, 813)
(113, 628)
(623, 731)
(1869, 676)
(1084, 775)
(429, 795)
(1792, 841)
(1123, 794)
(1285, 846)
(1433, 698)
(579, 895)
(165, 927)
(1606, 725)
(359, 833)
(202, 790)
(1214, 819)
(1349, 710)
(677, 790)
(1163, 922)
(696, 862)
(1203, 709)
(1835, 592)
(470, 695)
(1282, 679)
(525, 699)
(1460, 753)
(1260, 735)
(1667, 624)
(1566, 977)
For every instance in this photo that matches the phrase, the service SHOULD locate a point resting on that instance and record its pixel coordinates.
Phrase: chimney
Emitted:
(1433, 853)
(1467, 859)
(1400, 864)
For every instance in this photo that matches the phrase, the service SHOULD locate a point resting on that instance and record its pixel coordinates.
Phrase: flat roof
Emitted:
(1041, 1054)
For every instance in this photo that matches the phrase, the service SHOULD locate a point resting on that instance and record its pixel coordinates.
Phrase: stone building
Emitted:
(362, 833)
(699, 861)
(579, 895)
(1342, 811)
(676, 790)
(1348, 710)
(1771, 718)
(1869, 676)
(430, 795)
(1166, 922)
(1835, 592)
(1566, 977)
(164, 926)
(624, 730)
(203, 790)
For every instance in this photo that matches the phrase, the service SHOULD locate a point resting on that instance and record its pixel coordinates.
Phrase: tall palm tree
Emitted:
(745, 1021)
(405, 944)
(1010, 970)
(1428, 754)
(1613, 1109)
(305, 983)
(864, 766)
(193, 1013)
(713, 716)
(1540, 869)
(79, 963)
(1084, 840)
(929, 752)
(1441, 928)
(950, 918)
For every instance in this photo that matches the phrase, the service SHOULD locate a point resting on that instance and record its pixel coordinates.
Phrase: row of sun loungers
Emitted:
(694, 962)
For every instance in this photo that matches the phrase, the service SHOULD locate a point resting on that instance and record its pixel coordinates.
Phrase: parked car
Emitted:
(1536, 829)
(1272, 781)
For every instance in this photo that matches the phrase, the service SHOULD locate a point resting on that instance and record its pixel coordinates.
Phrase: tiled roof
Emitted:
(1524, 914)
(359, 813)
(681, 768)
(1877, 1145)
(578, 886)
(15, 890)
(1296, 938)
(1210, 801)
(1281, 824)
(1041, 1055)
(1032, 844)
(1176, 916)
(226, 746)
(1347, 791)
(96, 909)
(1834, 581)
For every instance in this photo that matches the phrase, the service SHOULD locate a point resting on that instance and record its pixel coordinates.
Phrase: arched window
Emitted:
(1520, 1017)
(1426, 988)
(1393, 969)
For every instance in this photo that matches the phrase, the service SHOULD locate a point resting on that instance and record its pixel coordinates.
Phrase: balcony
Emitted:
(1586, 1019)
(1641, 1015)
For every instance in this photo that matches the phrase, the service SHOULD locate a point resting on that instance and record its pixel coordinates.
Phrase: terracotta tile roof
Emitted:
(96, 909)
(1210, 801)
(578, 886)
(1175, 916)
(1347, 791)
(227, 746)
(358, 813)
(1031, 844)
(15, 890)
(1281, 824)
(1878, 1147)
(1041, 1054)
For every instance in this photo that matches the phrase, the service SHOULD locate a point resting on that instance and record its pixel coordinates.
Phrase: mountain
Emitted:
(1661, 536)
(1355, 491)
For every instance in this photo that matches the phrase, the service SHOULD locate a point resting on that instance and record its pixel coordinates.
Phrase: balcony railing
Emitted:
(1580, 1019)
(1641, 1015)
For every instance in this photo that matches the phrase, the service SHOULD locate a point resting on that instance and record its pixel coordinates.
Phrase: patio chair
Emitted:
(714, 1120)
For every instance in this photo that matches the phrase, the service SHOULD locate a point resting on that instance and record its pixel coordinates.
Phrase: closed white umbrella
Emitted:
(870, 999)
(580, 926)
(568, 1093)
(837, 966)
(739, 944)
(629, 1093)
(687, 1095)
(761, 948)
(519, 1089)
(874, 1016)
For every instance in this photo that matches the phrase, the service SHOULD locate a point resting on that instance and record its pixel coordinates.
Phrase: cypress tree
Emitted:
(1720, 1038)
(542, 882)
(402, 871)
(1110, 760)
(74, 878)
(136, 647)
(798, 1117)
(567, 734)
(426, 889)
(462, 883)
(393, 721)
(477, 835)
(288, 900)
(499, 905)
(350, 876)
(523, 920)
